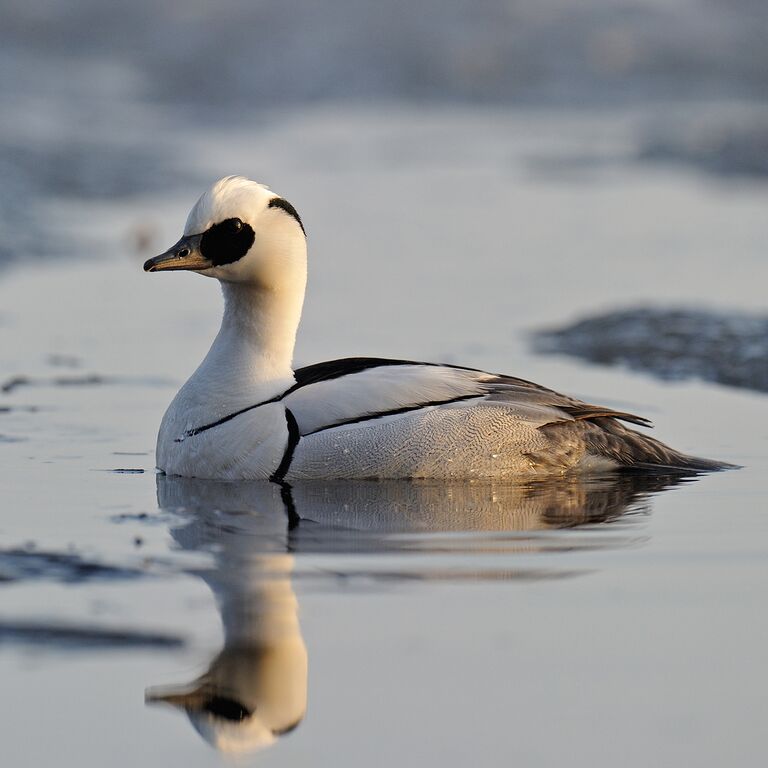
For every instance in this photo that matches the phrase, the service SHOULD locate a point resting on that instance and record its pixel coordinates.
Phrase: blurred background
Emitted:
(102, 101)
(617, 147)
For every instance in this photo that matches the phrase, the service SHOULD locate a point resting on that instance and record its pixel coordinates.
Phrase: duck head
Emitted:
(239, 231)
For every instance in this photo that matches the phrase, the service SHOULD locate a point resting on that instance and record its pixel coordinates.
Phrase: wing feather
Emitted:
(354, 389)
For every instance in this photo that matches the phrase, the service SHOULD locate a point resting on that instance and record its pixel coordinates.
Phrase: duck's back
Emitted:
(376, 418)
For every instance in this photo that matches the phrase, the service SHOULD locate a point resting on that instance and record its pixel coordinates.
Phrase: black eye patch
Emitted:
(227, 241)
(227, 709)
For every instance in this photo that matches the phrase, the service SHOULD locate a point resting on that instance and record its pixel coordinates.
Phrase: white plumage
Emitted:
(246, 414)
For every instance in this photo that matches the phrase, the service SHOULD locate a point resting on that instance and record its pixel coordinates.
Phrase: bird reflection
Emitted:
(255, 688)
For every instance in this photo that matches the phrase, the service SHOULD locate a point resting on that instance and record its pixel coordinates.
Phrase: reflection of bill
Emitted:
(255, 689)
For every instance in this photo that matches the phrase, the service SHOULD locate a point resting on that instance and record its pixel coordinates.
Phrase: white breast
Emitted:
(248, 447)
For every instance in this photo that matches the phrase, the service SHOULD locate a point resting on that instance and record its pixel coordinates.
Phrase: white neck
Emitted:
(252, 353)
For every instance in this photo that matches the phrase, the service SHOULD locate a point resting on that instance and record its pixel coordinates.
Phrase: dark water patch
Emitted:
(574, 167)
(11, 439)
(726, 143)
(79, 381)
(86, 380)
(13, 383)
(28, 564)
(93, 169)
(673, 344)
(736, 148)
(18, 409)
(64, 361)
(132, 517)
(50, 636)
(143, 518)
(16, 382)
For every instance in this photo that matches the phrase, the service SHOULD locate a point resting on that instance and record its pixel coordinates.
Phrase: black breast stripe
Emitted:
(293, 441)
(228, 417)
(394, 412)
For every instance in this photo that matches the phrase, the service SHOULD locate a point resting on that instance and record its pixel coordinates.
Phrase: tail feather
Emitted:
(610, 439)
(607, 438)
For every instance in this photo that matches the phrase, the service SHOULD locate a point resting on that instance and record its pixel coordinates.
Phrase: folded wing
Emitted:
(352, 390)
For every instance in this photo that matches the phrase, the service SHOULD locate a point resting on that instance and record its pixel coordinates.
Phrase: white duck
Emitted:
(245, 413)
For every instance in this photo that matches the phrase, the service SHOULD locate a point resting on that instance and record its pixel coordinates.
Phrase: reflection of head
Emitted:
(250, 694)
(255, 689)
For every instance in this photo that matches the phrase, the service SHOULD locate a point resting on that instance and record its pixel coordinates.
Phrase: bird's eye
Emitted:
(227, 241)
